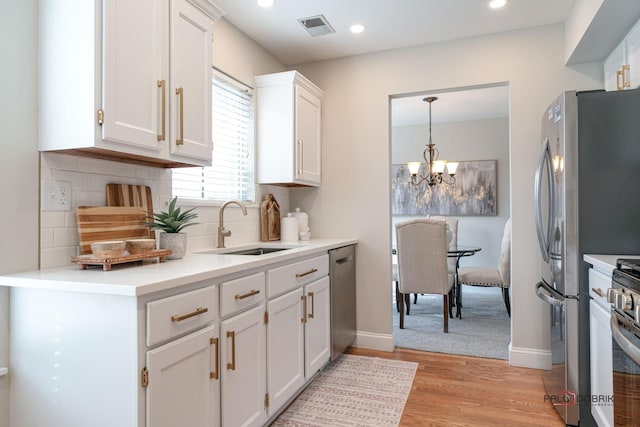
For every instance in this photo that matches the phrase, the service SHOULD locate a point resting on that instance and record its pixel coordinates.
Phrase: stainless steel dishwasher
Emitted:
(342, 272)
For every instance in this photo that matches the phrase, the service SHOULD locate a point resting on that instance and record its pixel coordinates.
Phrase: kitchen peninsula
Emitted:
(195, 341)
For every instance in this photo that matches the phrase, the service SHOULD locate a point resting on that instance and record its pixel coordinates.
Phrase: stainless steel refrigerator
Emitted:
(586, 201)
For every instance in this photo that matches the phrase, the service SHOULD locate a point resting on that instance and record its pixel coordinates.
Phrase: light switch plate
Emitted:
(56, 196)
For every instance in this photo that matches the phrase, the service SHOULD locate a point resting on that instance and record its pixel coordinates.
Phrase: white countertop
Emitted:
(605, 263)
(135, 279)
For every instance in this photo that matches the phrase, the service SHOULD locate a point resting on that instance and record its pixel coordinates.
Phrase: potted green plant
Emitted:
(172, 222)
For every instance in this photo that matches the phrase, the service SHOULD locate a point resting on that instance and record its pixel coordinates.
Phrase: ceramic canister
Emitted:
(303, 220)
(289, 228)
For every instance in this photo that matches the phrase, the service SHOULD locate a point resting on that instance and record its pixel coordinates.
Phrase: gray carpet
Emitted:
(483, 331)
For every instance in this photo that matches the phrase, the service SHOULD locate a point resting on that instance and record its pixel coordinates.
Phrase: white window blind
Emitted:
(231, 174)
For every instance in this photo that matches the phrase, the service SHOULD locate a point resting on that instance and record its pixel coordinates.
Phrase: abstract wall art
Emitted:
(473, 193)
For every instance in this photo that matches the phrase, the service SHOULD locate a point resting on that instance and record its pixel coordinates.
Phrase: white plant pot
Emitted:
(177, 242)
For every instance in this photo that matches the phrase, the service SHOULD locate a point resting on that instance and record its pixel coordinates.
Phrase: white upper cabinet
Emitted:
(129, 80)
(622, 66)
(288, 110)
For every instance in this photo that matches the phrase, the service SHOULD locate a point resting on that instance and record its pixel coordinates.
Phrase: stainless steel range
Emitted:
(624, 296)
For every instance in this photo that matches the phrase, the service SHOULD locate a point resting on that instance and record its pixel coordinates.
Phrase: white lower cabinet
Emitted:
(243, 366)
(317, 333)
(185, 389)
(600, 348)
(285, 348)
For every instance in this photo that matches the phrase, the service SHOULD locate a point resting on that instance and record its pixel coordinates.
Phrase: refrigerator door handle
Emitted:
(543, 240)
(544, 295)
(625, 344)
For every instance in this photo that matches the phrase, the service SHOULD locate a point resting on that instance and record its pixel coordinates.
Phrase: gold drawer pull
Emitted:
(215, 375)
(232, 365)
(198, 312)
(248, 294)
(306, 273)
(180, 93)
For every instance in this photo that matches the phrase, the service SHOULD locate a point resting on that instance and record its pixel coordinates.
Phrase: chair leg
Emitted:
(407, 301)
(507, 301)
(415, 298)
(451, 299)
(397, 296)
(401, 307)
(445, 299)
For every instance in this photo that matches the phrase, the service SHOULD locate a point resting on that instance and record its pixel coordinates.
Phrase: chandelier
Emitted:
(437, 167)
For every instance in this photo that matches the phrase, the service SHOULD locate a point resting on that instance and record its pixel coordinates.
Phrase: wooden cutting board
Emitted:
(96, 223)
(132, 196)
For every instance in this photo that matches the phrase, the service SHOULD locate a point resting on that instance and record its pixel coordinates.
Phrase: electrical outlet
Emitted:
(56, 196)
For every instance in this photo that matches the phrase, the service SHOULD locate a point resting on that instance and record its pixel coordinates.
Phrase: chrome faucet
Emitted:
(222, 233)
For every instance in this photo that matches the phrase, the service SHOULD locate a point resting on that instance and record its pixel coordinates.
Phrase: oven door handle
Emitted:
(625, 344)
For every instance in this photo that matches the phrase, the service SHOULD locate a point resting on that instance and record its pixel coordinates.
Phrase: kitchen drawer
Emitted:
(238, 294)
(176, 315)
(598, 285)
(291, 276)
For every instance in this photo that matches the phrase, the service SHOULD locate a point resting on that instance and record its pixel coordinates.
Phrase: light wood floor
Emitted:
(450, 390)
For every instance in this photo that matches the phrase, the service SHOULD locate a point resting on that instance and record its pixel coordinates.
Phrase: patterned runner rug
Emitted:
(353, 391)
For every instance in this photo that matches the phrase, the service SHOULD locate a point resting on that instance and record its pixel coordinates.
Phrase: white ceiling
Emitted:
(389, 23)
(394, 24)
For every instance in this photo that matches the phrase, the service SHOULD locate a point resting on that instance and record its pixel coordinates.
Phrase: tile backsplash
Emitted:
(89, 177)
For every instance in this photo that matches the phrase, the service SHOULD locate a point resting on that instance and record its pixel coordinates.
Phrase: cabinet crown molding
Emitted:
(212, 10)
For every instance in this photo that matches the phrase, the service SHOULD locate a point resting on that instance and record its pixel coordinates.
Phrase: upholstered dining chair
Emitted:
(452, 242)
(492, 277)
(422, 262)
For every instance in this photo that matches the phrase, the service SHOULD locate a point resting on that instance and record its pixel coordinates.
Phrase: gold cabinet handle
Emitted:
(618, 75)
(303, 298)
(301, 156)
(232, 365)
(306, 273)
(215, 375)
(180, 93)
(163, 109)
(248, 294)
(197, 312)
(313, 303)
(625, 69)
(598, 292)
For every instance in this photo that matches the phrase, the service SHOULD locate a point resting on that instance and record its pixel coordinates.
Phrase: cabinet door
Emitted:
(184, 389)
(190, 92)
(308, 154)
(243, 367)
(612, 66)
(317, 332)
(601, 363)
(135, 55)
(632, 50)
(285, 348)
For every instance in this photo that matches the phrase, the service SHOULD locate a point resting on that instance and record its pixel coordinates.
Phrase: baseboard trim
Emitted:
(374, 341)
(529, 357)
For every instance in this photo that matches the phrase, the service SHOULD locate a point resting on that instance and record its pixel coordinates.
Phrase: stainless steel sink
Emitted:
(255, 251)
(246, 251)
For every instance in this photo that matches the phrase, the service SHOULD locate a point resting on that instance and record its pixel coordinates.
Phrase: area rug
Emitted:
(483, 331)
(353, 391)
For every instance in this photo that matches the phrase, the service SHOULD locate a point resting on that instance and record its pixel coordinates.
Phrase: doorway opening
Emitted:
(469, 125)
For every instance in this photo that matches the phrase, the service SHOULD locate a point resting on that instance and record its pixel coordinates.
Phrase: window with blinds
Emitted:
(231, 173)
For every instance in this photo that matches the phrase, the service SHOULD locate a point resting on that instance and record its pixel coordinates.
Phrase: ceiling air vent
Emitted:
(316, 25)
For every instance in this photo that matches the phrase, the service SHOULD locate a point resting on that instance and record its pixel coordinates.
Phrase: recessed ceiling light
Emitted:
(357, 28)
(265, 3)
(497, 4)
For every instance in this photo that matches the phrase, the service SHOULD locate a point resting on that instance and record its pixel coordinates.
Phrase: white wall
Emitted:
(354, 198)
(18, 151)
(464, 141)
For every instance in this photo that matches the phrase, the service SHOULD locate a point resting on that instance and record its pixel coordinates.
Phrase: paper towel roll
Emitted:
(289, 228)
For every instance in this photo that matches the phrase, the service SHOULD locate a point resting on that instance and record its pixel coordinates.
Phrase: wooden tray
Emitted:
(85, 260)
